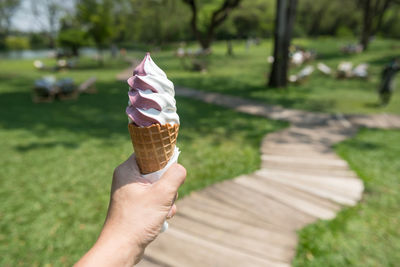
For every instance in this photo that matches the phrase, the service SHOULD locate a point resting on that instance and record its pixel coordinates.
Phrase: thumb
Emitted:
(172, 179)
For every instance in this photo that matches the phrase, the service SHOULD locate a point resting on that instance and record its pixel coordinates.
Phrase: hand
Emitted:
(135, 216)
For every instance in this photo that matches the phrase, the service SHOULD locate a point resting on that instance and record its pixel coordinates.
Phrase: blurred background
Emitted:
(63, 93)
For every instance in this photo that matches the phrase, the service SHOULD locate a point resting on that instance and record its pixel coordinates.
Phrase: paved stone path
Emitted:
(252, 220)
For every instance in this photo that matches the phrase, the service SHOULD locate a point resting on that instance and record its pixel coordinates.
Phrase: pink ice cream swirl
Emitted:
(151, 96)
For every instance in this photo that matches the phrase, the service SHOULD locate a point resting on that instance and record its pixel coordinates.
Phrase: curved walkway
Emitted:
(252, 220)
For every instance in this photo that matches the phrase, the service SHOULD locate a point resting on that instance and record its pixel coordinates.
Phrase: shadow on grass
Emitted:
(362, 145)
(373, 105)
(382, 61)
(291, 97)
(37, 145)
(103, 116)
(335, 54)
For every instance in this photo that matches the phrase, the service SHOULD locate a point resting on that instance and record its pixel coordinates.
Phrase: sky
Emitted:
(25, 20)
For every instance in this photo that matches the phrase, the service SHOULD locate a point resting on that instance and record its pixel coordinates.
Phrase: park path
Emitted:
(252, 220)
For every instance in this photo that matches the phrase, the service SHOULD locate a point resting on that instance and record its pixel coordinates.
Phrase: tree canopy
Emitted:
(131, 23)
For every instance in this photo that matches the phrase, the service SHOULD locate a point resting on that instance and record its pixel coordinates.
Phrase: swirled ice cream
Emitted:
(151, 96)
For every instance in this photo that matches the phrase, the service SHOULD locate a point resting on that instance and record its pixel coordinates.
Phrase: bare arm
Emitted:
(135, 216)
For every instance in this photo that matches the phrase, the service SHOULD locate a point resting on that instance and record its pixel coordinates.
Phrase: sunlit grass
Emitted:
(57, 159)
(368, 234)
(246, 73)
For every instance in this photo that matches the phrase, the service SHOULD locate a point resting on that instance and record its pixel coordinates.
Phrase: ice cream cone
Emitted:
(154, 145)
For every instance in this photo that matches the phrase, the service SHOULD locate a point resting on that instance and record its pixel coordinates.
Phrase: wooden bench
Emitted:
(302, 76)
(43, 95)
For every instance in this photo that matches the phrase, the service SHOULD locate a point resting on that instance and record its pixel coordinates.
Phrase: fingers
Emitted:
(172, 212)
(128, 169)
(169, 183)
(173, 209)
(175, 198)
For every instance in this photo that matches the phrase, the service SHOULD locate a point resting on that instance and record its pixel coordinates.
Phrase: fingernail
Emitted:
(169, 215)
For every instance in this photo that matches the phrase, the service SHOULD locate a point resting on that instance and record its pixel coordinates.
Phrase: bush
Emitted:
(17, 43)
(344, 32)
(298, 31)
(38, 40)
(72, 39)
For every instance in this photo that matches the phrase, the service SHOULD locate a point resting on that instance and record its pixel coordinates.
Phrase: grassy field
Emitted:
(57, 159)
(368, 234)
(245, 74)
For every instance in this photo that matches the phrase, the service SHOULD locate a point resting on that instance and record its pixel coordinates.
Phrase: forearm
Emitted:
(135, 215)
(111, 250)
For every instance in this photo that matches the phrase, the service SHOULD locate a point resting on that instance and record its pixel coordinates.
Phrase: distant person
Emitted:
(229, 48)
(249, 43)
(387, 84)
(180, 52)
(114, 50)
(135, 215)
(122, 52)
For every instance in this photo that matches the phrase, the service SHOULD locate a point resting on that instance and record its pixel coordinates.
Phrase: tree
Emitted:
(95, 16)
(71, 35)
(17, 42)
(326, 17)
(373, 13)
(285, 15)
(7, 10)
(150, 25)
(47, 14)
(205, 33)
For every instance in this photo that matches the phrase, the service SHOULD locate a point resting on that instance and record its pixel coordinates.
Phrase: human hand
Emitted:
(135, 216)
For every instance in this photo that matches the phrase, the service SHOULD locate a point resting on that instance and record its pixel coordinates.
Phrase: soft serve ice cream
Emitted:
(151, 96)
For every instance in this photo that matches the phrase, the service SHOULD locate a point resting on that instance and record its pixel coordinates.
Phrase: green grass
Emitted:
(57, 159)
(368, 234)
(245, 74)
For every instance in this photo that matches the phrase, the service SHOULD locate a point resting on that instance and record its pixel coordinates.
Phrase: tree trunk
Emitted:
(206, 37)
(367, 25)
(100, 60)
(285, 15)
(205, 43)
(75, 50)
(316, 22)
(373, 13)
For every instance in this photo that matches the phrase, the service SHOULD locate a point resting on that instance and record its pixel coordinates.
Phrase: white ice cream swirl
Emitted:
(151, 96)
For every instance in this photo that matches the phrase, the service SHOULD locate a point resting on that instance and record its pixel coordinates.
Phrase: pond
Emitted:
(43, 53)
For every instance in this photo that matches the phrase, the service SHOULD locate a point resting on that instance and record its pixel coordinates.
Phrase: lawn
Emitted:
(57, 159)
(368, 234)
(245, 74)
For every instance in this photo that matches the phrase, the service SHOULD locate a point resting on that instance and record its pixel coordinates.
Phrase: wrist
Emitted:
(112, 249)
(123, 249)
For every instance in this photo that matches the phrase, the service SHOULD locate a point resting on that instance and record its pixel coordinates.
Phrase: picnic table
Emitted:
(48, 88)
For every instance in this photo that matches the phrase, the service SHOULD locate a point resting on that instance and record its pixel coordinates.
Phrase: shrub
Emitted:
(17, 43)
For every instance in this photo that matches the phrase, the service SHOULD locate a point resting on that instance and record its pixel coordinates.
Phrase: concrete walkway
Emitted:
(252, 220)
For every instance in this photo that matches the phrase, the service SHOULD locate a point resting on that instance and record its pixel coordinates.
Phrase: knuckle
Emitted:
(181, 171)
(117, 172)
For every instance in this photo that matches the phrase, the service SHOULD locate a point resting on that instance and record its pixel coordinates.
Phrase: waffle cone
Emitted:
(154, 145)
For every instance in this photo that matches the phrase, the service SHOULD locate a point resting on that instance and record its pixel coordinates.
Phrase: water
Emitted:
(43, 53)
